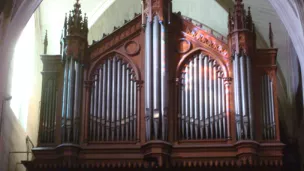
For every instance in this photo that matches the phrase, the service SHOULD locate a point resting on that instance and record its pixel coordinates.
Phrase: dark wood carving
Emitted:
(221, 136)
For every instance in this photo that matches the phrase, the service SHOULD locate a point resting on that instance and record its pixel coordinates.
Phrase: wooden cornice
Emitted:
(116, 38)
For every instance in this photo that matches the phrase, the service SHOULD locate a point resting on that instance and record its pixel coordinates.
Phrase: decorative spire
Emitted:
(249, 20)
(45, 43)
(270, 35)
(229, 20)
(76, 23)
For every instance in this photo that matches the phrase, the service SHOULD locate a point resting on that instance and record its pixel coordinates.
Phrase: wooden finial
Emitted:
(45, 42)
(270, 35)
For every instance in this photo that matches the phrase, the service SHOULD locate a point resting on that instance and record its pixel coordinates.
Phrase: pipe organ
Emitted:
(202, 103)
(162, 91)
(113, 103)
(243, 97)
(267, 107)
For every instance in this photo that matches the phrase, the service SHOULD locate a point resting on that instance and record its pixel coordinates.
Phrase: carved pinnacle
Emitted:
(45, 43)
(270, 35)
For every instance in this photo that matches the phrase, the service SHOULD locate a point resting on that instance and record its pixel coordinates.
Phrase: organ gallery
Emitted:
(161, 91)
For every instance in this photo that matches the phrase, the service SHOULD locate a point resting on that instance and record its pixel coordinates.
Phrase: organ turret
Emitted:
(163, 90)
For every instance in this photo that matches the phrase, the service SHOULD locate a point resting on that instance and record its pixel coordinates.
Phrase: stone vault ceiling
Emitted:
(105, 14)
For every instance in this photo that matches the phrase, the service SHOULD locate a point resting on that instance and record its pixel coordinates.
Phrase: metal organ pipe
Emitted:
(134, 107)
(187, 117)
(201, 94)
(114, 102)
(127, 102)
(183, 89)
(224, 98)
(114, 95)
(202, 100)
(196, 96)
(191, 102)
(109, 89)
(131, 106)
(119, 99)
(164, 81)
(64, 104)
(244, 96)
(219, 103)
(99, 103)
(95, 112)
(206, 90)
(238, 98)
(104, 99)
(123, 102)
(250, 98)
(273, 125)
(215, 115)
(156, 76)
(148, 81)
(269, 107)
(211, 109)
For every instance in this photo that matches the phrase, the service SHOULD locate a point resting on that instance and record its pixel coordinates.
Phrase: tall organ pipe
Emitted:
(201, 94)
(266, 106)
(70, 98)
(215, 114)
(206, 94)
(95, 106)
(65, 93)
(131, 106)
(244, 95)
(273, 125)
(135, 108)
(127, 102)
(239, 101)
(109, 89)
(123, 102)
(196, 97)
(164, 82)
(91, 112)
(148, 77)
(99, 103)
(104, 100)
(76, 94)
(183, 105)
(270, 106)
(219, 102)
(224, 108)
(119, 97)
(211, 110)
(187, 117)
(250, 97)
(114, 95)
(191, 95)
(156, 75)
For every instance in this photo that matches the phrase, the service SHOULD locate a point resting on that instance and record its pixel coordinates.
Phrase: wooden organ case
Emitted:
(163, 90)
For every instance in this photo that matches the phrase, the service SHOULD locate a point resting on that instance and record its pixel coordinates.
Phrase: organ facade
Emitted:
(163, 90)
